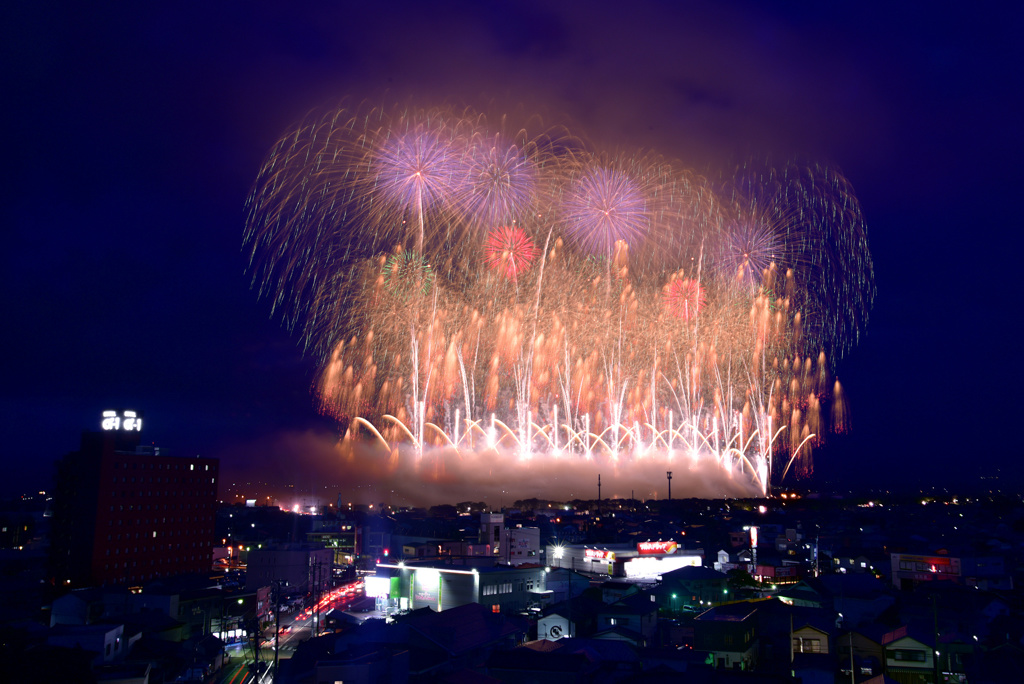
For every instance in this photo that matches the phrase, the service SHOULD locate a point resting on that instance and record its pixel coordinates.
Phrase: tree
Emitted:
(740, 579)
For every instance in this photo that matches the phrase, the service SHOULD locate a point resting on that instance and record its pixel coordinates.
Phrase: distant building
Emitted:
(124, 513)
(523, 545)
(515, 546)
(493, 532)
(461, 549)
(302, 568)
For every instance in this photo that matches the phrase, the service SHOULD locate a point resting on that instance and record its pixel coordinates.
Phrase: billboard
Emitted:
(658, 548)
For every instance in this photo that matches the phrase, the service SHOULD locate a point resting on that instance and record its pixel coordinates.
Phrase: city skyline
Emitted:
(141, 134)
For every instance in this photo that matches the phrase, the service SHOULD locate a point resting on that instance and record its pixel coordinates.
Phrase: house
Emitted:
(564, 583)
(810, 639)
(539, 666)
(377, 654)
(804, 594)
(465, 635)
(726, 561)
(690, 588)
(908, 657)
(615, 591)
(858, 598)
(633, 618)
(105, 642)
(729, 633)
(785, 631)
(573, 618)
(422, 646)
(78, 607)
(602, 660)
(862, 650)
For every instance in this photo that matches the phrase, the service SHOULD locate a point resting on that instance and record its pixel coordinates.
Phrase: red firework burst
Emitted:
(510, 251)
(684, 298)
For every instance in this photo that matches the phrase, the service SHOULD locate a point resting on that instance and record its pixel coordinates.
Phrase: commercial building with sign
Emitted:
(911, 569)
(645, 560)
(125, 513)
(341, 535)
(404, 587)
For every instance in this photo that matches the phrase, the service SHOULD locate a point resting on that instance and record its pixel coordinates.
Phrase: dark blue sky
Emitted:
(134, 135)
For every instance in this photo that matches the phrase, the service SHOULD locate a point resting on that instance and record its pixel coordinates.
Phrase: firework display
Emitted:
(475, 293)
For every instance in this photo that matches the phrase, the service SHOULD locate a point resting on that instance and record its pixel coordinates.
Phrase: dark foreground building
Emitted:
(124, 513)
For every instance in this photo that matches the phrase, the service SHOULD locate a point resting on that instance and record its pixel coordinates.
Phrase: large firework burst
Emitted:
(654, 312)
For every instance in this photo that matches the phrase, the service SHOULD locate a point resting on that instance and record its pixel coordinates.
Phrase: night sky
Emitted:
(135, 134)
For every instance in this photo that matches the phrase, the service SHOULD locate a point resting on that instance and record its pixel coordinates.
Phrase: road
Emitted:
(296, 627)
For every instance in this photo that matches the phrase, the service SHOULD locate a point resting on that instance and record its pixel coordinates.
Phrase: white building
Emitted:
(523, 545)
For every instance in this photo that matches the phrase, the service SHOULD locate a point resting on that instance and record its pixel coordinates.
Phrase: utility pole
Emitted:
(852, 680)
(669, 486)
(935, 651)
(277, 624)
(316, 598)
(599, 494)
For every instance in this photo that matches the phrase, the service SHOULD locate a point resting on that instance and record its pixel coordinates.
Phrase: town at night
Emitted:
(511, 343)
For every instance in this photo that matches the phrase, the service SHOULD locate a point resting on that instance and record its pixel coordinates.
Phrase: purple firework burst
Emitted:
(419, 168)
(501, 183)
(603, 206)
(746, 249)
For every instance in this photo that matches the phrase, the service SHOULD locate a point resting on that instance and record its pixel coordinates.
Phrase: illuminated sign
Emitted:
(928, 564)
(659, 547)
(128, 421)
(598, 554)
(753, 537)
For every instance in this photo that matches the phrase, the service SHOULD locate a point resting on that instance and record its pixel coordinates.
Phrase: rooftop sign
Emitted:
(126, 421)
(650, 548)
